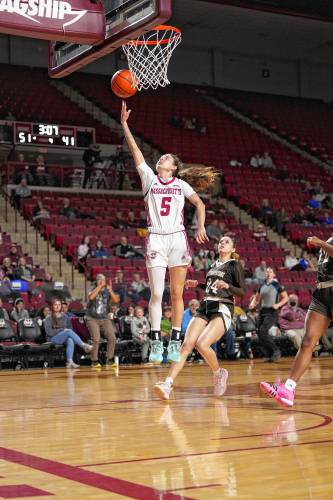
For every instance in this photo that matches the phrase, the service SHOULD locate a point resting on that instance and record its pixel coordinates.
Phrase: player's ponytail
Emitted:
(235, 255)
(200, 177)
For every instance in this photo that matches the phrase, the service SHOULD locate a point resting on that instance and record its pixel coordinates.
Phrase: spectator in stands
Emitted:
(65, 309)
(83, 252)
(139, 288)
(300, 217)
(166, 324)
(140, 328)
(126, 320)
(218, 205)
(3, 312)
(58, 330)
(259, 274)
(314, 203)
(90, 156)
(326, 219)
(24, 271)
(142, 222)
(329, 201)
(43, 312)
(41, 175)
(189, 313)
(267, 161)
(266, 212)
(5, 285)
(7, 268)
(99, 250)
(19, 312)
(22, 191)
(247, 271)
(120, 285)
(271, 296)
(97, 318)
(14, 254)
(39, 211)
(132, 220)
(119, 222)
(67, 210)
(235, 163)
(260, 233)
(213, 231)
(256, 161)
(321, 196)
(201, 261)
(290, 260)
(292, 320)
(281, 219)
(23, 170)
(124, 250)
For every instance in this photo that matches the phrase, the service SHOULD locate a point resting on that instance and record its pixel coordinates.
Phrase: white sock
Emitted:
(169, 381)
(217, 371)
(290, 384)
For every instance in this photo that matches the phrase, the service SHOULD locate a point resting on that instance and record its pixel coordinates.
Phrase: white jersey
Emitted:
(164, 201)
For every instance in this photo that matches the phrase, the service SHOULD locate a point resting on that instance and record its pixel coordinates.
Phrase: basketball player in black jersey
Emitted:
(224, 281)
(319, 316)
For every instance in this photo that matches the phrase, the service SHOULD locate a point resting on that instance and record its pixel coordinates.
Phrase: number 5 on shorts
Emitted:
(165, 205)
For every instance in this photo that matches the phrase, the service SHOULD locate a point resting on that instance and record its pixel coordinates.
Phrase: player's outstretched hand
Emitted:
(191, 283)
(313, 241)
(201, 236)
(124, 113)
(221, 284)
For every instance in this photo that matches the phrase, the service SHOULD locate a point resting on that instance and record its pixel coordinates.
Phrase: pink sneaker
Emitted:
(220, 382)
(162, 390)
(279, 392)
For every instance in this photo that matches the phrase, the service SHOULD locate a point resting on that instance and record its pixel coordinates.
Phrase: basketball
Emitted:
(122, 84)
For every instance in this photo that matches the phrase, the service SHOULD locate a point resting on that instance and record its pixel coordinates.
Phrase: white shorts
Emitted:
(167, 250)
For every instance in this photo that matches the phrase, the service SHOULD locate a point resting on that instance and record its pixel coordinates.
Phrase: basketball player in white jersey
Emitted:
(166, 245)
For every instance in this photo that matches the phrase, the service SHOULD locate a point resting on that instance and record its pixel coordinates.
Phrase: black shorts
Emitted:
(210, 309)
(322, 301)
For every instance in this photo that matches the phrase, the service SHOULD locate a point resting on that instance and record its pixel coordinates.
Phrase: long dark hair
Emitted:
(199, 176)
(54, 317)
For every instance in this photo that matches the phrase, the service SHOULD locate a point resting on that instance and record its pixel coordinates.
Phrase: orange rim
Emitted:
(161, 27)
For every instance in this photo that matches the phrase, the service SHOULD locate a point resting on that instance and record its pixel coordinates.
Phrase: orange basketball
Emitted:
(122, 84)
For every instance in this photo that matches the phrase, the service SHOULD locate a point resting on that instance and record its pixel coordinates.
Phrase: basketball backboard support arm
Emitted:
(125, 20)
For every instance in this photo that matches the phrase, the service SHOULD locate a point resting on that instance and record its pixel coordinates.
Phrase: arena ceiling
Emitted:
(254, 32)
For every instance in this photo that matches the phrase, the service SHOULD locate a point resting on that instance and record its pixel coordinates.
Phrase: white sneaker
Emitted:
(220, 382)
(71, 364)
(162, 390)
(87, 347)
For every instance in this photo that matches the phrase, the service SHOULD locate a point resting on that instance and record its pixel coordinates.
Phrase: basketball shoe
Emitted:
(278, 392)
(220, 382)
(174, 351)
(156, 352)
(162, 390)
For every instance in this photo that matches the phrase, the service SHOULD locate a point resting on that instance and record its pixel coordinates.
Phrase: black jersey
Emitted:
(230, 271)
(325, 264)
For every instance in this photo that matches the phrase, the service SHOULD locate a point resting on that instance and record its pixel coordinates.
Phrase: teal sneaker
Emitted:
(156, 352)
(174, 351)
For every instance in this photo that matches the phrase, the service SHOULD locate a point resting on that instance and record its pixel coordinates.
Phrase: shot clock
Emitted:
(47, 134)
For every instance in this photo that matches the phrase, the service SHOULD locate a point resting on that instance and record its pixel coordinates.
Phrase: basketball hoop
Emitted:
(149, 55)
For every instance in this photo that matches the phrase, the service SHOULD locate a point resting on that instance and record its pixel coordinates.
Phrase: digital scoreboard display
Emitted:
(47, 134)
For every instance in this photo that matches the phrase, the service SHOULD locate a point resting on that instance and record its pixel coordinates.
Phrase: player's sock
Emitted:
(175, 333)
(290, 384)
(217, 371)
(169, 381)
(155, 335)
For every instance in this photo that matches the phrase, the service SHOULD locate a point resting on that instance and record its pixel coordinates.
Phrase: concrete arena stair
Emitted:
(40, 258)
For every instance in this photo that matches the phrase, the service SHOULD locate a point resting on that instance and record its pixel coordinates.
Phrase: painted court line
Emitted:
(93, 479)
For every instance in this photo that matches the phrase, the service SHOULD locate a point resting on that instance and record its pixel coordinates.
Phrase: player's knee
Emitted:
(201, 345)
(309, 342)
(156, 296)
(187, 347)
(176, 294)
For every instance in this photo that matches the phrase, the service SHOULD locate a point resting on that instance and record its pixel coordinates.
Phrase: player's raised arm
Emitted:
(133, 147)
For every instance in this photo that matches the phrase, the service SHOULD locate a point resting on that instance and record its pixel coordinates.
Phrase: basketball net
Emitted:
(149, 55)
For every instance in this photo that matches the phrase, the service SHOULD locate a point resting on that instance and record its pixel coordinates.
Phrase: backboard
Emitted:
(124, 20)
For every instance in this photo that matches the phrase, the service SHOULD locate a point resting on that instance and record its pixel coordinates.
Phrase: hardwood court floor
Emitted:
(94, 435)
